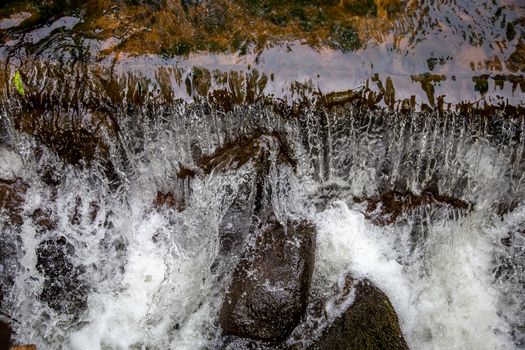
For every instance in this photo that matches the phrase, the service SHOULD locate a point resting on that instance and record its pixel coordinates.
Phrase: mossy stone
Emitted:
(362, 8)
(180, 48)
(346, 38)
(481, 84)
(201, 80)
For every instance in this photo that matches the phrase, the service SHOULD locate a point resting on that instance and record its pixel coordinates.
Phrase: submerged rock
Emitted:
(269, 291)
(178, 195)
(237, 221)
(252, 202)
(386, 208)
(259, 149)
(11, 200)
(370, 322)
(64, 291)
(75, 137)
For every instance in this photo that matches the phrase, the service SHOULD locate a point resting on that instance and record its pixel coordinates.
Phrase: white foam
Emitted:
(117, 317)
(11, 164)
(445, 299)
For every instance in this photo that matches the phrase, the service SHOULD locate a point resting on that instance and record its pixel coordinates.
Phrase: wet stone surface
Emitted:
(389, 206)
(64, 291)
(370, 322)
(11, 200)
(269, 290)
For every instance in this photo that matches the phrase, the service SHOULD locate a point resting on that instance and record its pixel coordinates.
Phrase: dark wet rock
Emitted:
(201, 81)
(236, 343)
(44, 220)
(177, 197)
(269, 290)
(510, 31)
(389, 206)
(64, 291)
(75, 136)
(390, 93)
(5, 336)
(169, 200)
(256, 148)
(369, 323)
(237, 220)
(12, 199)
(251, 204)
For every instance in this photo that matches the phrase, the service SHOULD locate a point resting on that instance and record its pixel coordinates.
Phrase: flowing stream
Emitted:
(142, 273)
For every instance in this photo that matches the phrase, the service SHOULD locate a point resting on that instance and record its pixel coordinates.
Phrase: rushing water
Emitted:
(130, 272)
(455, 276)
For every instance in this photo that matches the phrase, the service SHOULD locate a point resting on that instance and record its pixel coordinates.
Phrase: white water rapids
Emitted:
(147, 269)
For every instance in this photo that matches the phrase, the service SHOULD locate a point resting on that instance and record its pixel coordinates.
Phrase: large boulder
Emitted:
(269, 291)
(369, 323)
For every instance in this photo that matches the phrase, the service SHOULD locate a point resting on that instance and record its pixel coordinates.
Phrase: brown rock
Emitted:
(369, 323)
(24, 347)
(11, 199)
(168, 200)
(43, 220)
(73, 136)
(269, 290)
(386, 208)
(176, 198)
(5, 336)
(256, 148)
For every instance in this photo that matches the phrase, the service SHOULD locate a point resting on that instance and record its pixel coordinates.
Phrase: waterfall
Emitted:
(141, 269)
